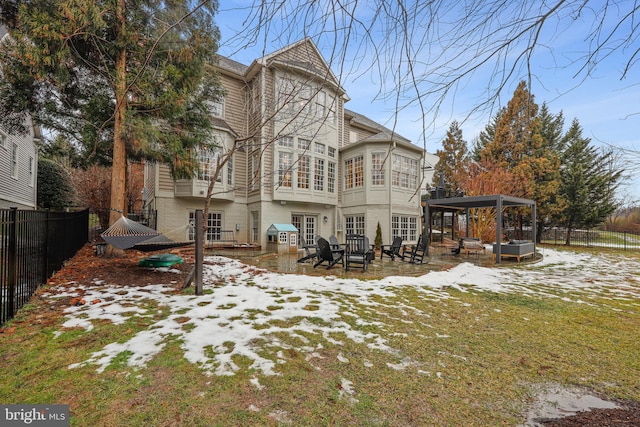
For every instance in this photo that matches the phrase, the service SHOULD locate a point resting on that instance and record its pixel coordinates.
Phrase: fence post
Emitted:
(13, 259)
(46, 246)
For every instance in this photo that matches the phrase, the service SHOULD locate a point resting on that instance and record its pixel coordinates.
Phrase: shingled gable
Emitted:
(302, 56)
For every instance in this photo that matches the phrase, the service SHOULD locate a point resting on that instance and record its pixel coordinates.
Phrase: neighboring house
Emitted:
(304, 160)
(19, 164)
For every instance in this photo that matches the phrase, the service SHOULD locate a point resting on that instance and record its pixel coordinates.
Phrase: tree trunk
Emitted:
(118, 176)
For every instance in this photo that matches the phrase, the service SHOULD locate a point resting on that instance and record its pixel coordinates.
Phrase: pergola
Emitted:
(497, 201)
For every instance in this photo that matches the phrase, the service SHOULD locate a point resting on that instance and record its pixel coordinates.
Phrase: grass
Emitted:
(469, 359)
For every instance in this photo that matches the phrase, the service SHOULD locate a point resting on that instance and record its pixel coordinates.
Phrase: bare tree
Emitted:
(424, 53)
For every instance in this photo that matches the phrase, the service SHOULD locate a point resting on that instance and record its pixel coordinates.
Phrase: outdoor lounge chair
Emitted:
(358, 251)
(471, 245)
(310, 251)
(333, 241)
(393, 250)
(415, 253)
(326, 254)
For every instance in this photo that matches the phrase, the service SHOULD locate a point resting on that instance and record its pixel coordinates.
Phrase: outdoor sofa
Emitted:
(515, 249)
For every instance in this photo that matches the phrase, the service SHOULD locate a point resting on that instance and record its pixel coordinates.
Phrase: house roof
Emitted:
(281, 227)
(223, 125)
(229, 64)
(384, 133)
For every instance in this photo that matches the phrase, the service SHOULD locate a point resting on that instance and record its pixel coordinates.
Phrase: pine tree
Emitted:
(453, 157)
(125, 79)
(588, 183)
(524, 143)
(485, 137)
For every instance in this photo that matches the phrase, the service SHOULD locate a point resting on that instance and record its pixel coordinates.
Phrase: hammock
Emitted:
(170, 239)
(126, 234)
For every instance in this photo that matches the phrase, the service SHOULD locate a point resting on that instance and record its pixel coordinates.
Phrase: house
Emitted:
(301, 158)
(18, 164)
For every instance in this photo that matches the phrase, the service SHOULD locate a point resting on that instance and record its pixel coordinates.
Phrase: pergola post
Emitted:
(498, 253)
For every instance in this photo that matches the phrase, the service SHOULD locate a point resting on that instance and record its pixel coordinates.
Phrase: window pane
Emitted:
(303, 172)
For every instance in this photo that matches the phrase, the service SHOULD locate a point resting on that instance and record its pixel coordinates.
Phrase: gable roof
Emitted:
(228, 64)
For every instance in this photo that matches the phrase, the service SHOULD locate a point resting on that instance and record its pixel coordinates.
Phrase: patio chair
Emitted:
(393, 250)
(310, 251)
(357, 251)
(328, 255)
(333, 241)
(415, 253)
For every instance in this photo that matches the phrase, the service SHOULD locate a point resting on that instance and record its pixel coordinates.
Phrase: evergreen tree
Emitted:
(122, 78)
(485, 137)
(588, 182)
(547, 177)
(55, 187)
(453, 156)
(524, 145)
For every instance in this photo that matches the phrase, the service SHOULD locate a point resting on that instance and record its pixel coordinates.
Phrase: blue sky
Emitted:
(607, 107)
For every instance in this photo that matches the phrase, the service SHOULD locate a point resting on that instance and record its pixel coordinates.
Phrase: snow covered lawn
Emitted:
(245, 310)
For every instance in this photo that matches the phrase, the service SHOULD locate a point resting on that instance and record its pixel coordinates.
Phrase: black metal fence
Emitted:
(626, 240)
(34, 244)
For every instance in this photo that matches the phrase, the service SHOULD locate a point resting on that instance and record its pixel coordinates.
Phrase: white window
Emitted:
(285, 161)
(217, 107)
(377, 168)
(354, 224)
(14, 161)
(32, 167)
(255, 170)
(318, 148)
(354, 172)
(208, 161)
(305, 99)
(255, 224)
(286, 141)
(404, 172)
(214, 226)
(318, 177)
(332, 152)
(286, 93)
(230, 171)
(331, 177)
(321, 102)
(303, 171)
(404, 226)
(303, 144)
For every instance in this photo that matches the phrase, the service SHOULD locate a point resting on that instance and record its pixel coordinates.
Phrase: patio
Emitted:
(288, 263)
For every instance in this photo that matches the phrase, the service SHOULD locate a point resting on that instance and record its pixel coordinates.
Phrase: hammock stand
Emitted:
(128, 234)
